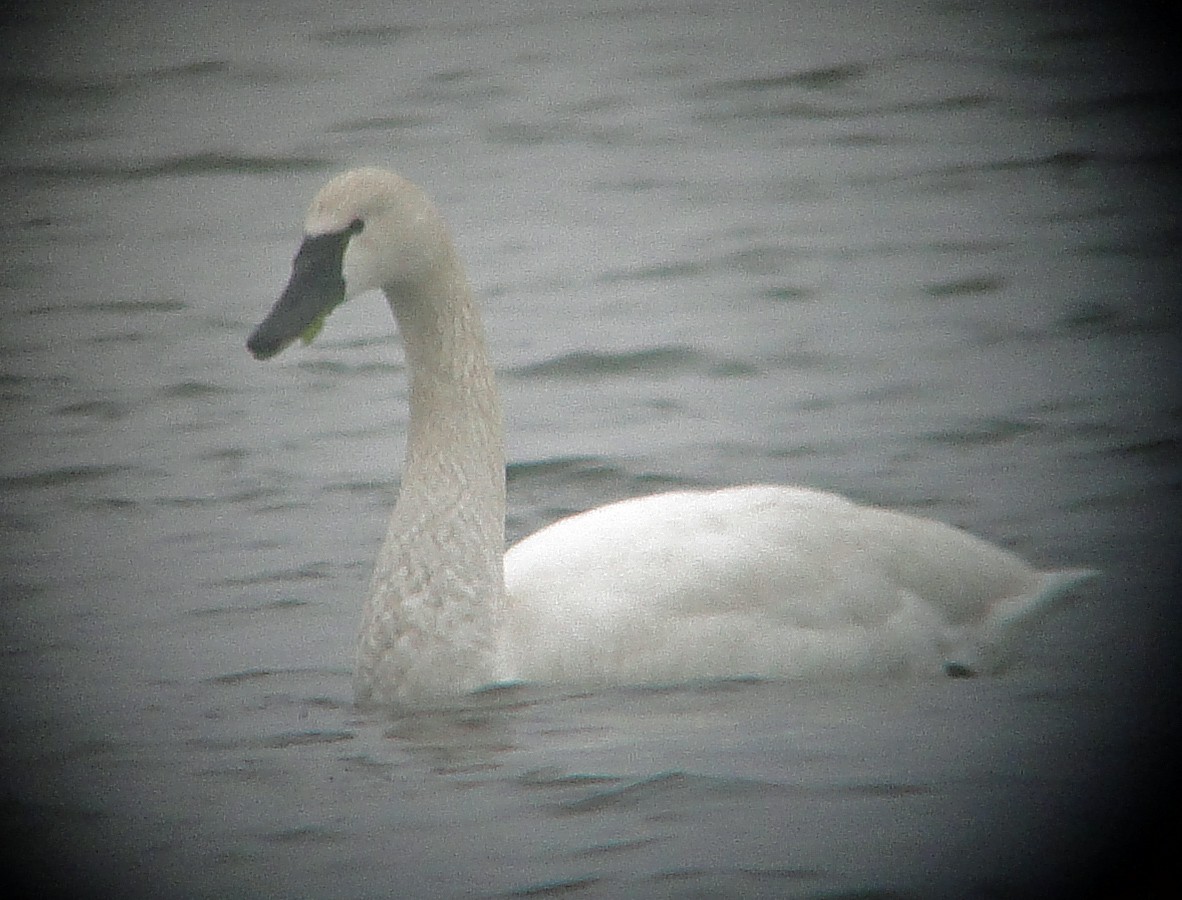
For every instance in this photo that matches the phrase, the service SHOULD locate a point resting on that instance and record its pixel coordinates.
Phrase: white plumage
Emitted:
(747, 581)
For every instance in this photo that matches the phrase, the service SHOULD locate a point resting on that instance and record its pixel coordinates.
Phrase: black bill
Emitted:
(316, 288)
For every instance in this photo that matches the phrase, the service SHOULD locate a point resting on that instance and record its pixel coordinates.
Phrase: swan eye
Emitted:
(355, 226)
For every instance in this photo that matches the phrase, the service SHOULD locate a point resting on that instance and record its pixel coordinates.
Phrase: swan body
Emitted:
(760, 580)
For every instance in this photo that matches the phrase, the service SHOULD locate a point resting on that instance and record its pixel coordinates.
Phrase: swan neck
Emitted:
(455, 412)
(438, 586)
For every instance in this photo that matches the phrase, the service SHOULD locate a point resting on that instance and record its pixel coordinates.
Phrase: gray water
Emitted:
(924, 254)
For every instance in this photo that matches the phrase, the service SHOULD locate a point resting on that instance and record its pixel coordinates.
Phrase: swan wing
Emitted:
(758, 580)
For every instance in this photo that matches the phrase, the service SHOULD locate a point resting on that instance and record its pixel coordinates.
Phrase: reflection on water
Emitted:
(920, 255)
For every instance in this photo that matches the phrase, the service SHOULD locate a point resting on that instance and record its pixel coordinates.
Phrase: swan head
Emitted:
(365, 229)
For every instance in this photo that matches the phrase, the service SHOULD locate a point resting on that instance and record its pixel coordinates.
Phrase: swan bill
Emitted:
(315, 289)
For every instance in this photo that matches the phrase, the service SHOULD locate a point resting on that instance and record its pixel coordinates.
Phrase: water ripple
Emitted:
(365, 35)
(685, 789)
(64, 475)
(210, 162)
(819, 78)
(985, 431)
(304, 738)
(648, 362)
(968, 286)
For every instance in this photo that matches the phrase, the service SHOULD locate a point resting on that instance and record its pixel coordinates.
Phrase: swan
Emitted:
(756, 580)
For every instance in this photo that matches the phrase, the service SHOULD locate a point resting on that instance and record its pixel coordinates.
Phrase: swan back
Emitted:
(763, 580)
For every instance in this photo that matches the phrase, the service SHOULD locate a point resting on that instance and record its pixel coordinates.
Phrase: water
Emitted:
(924, 254)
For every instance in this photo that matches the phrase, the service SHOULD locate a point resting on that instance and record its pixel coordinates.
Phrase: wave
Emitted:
(670, 359)
(209, 162)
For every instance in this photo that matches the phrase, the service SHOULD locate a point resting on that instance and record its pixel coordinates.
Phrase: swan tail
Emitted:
(1011, 615)
(1054, 587)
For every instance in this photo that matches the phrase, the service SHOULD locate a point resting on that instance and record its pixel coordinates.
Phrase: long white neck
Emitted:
(437, 593)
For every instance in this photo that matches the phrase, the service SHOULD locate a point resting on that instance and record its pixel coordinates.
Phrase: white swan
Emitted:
(757, 580)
